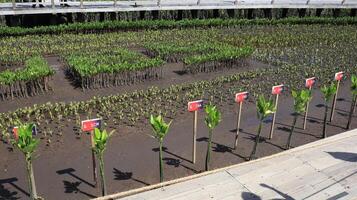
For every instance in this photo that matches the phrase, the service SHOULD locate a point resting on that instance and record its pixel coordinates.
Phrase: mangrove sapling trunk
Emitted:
(325, 121)
(208, 154)
(257, 138)
(292, 131)
(31, 179)
(161, 162)
(102, 176)
(353, 105)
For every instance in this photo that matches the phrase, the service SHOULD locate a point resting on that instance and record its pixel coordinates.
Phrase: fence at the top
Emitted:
(14, 7)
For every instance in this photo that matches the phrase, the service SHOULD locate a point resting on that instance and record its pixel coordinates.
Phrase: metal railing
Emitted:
(53, 6)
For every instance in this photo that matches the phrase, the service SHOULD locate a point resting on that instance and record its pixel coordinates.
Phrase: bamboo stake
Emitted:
(95, 175)
(307, 110)
(238, 124)
(274, 115)
(194, 137)
(334, 101)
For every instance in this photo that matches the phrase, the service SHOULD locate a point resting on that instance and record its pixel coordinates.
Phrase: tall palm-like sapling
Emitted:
(328, 92)
(300, 101)
(100, 139)
(25, 142)
(354, 99)
(160, 128)
(264, 109)
(212, 119)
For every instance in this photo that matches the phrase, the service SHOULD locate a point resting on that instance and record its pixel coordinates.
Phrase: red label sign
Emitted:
(195, 105)
(90, 125)
(240, 97)
(339, 76)
(310, 82)
(15, 131)
(278, 89)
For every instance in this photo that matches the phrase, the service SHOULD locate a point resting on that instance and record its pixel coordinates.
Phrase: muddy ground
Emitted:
(63, 170)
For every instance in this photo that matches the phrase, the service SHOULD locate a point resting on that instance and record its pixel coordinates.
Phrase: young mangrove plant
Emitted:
(212, 119)
(328, 92)
(100, 139)
(264, 109)
(160, 128)
(25, 142)
(354, 99)
(300, 101)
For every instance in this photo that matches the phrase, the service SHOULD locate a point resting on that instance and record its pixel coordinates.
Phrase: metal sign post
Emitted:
(308, 83)
(276, 90)
(240, 97)
(89, 126)
(338, 78)
(194, 106)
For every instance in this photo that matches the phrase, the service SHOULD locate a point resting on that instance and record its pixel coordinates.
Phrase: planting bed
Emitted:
(135, 74)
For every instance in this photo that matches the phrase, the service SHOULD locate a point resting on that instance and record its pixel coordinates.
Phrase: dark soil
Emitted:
(12, 68)
(63, 170)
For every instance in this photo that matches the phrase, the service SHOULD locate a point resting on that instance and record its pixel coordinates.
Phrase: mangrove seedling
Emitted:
(264, 109)
(25, 142)
(300, 101)
(328, 92)
(160, 129)
(213, 117)
(354, 99)
(100, 139)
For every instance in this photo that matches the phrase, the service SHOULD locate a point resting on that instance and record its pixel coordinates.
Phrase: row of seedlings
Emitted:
(31, 80)
(111, 68)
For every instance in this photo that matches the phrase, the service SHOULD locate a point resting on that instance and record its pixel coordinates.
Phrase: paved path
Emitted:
(149, 5)
(326, 169)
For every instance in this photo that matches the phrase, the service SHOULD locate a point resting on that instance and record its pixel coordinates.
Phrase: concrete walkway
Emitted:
(326, 169)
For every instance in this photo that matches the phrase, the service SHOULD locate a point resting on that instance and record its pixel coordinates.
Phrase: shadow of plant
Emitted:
(7, 194)
(120, 175)
(172, 162)
(72, 187)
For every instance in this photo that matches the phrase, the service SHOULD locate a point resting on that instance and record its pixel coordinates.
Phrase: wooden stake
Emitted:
(95, 175)
(274, 115)
(306, 112)
(194, 137)
(238, 124)
(334, 101)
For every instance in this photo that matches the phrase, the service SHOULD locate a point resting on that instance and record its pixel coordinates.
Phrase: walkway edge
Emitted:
(322, 142)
